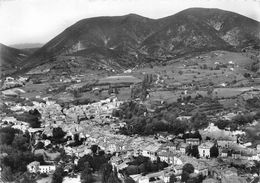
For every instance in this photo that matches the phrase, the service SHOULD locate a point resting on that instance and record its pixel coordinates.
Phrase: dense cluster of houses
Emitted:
(82, 121)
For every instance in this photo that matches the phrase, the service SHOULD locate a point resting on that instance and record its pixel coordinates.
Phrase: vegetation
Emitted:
(143, 165)
(108, 175)
(186, 171)
(58, 175)
(214, 151)
(140, 121)
(193, 151)
(86, 176)
(15, 145)
(32, 117)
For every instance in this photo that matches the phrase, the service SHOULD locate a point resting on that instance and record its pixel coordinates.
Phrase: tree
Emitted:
(222, 124)
(132, 169)
(20, 142)
(185, 176)
(39, 145)
(7, 174)
(110, 90)
(106, 171)
(214, 151)
(186, 171)
(189, 168)
(210, 90)
(199, 120)
(173, 179)
(129, 180)
(86, 176)
(58, 133)
(58, 175)
(113, 178)
(94, 149)
(116, 91)
(7, 135)
(82, 162)
(193, 151)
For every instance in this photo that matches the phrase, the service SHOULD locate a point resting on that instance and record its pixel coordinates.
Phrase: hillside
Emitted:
(26, 46)
(126, 41)
(10, 58)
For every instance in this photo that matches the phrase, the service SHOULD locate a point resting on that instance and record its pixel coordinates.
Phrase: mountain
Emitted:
(124, 41)
(199, 29)
(27, 45)
(10, 58)
(28, 48)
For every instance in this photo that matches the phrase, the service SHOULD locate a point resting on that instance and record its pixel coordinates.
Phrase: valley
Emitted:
(134, 99)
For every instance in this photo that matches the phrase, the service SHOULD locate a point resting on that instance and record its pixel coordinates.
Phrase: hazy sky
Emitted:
(38, 21)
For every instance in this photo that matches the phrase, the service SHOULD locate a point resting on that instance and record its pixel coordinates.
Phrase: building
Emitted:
(157, 177)
(151, 151)
(225, 143)
(204, 149)
(200, 167)
(193, 141)
(35, 167)
(182, 147)
(46, 169)
(166, 156)
(224, 153)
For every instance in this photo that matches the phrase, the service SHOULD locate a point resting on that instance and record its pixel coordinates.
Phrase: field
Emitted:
(214, 68)
(232, 92)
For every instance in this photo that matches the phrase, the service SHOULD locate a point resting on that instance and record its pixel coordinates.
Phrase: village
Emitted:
(212, 152)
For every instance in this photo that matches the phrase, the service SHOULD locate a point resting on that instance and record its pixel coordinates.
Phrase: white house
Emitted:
(151, 151)
(46, 169)
(35, 167)
(204, 149)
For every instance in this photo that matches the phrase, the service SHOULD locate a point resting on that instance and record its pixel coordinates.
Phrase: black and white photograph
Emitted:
(129, 91)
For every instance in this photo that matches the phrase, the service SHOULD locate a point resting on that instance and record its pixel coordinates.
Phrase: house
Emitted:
(157, 177)
(226, 142)
(204, 149)
(228, 175)
(151, 151)
(46, 169)
(193, 141)
(210, 180)
(166, 156)
(258, 148)
(35, 167)
(170, 146)
(112, 147)
(178, 170)
(224, 153)
(182, 118)
(200, 167)
(182, 147)
(236, 155)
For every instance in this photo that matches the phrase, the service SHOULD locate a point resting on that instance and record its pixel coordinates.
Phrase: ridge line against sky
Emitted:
(38, 21)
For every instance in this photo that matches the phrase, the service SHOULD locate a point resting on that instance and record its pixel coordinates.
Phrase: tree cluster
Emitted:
(143, 165)
(140, 121)
(15, 145)
(95, 161)
(58, 175)
(108, 174)
(32, 117)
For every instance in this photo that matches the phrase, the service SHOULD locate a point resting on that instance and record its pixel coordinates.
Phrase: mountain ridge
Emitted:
(134, 39)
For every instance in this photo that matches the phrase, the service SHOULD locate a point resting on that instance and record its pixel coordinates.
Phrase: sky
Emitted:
(38, 21)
